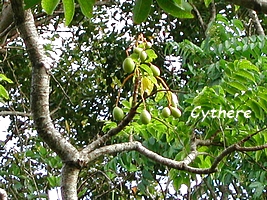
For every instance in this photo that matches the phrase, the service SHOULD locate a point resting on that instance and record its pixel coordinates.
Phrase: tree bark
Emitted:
(256, 22)
(69, 182)
(40, 99)
(6, 19)
(257, 5)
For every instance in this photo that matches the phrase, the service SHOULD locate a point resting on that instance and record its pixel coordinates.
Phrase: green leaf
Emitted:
(176, 10)
(3, 93)
(245, 74)
(159, 96)
(255, 184)
(141, 10)
(263, 104)
(49, 5)
(69, 9)
(4, 78)
(53, 181)
(237, 85)
(151, 54)
(87, 7)
(207, 2)
(30, 3)
(147, 69)
(247, 65)
(256, 108)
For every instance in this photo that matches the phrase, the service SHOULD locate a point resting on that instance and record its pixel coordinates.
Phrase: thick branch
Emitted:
(180, 165)
(40, 85)
(6, 19)
(256, 22)
(257, 5)
(137, 146)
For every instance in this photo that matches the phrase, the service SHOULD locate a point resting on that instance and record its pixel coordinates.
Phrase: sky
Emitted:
(4, 123)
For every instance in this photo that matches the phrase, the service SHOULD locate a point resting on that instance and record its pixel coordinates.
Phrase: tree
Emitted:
(222, 73)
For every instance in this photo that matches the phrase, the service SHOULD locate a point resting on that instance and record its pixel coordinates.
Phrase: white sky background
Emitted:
(4, 123)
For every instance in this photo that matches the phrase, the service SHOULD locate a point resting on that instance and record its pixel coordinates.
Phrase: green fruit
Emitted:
(128, 65)
(138, 50)
(166, 112)
(143, 56)
(145, 117)
(175, 112)
(148, 45)
(117, 113)
(155, 70)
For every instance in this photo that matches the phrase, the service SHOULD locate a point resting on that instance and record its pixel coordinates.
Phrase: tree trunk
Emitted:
(69, 181)
(40, 100)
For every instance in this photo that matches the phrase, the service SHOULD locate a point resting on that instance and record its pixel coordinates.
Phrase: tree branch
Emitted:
(17, 113)
(180, 165)
(255, 148)
(111, 132)
(137, 146)
(256, 22)
(40, 85)
(257, 5)
(200, 19)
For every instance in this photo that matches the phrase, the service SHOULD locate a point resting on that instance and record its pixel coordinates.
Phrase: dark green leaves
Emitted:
(141, 10)
(68, 10)
(3, 91)
(176, 8)
(49, 5)
(31, 3)
(69, 7)
(87, 7)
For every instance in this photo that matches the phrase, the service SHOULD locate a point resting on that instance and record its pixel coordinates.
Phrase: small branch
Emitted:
(200, 19)
(250, 136)
(110, 133)
(213, 11)
(23, 114)
(255, 148)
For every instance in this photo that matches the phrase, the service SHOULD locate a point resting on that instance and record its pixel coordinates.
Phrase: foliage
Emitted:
(181, 8)
(3, 92)
(231, 76)
(222, 68)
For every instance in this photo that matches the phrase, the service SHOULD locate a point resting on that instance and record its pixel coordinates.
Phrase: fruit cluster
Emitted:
(146, 77)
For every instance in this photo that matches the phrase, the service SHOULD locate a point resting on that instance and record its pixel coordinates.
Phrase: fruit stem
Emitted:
(123, 83)
(167, 89)
(136, 86)
(163, 83)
